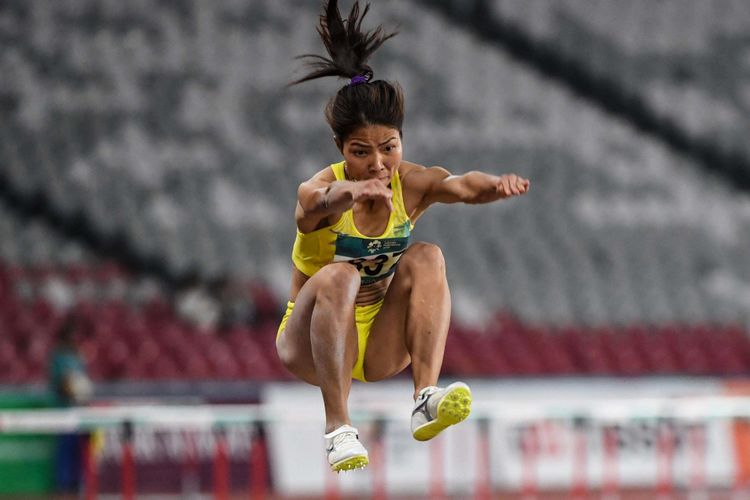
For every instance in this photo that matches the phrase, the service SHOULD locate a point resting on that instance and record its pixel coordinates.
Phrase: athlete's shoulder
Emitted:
(408, 170)
(320, 179)
(407, 167)
(419, 176)
(324, 175)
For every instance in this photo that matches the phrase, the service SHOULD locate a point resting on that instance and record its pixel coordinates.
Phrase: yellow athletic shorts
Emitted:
(364, 316)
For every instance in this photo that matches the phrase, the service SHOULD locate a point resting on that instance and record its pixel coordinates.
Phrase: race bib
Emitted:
(374, 258)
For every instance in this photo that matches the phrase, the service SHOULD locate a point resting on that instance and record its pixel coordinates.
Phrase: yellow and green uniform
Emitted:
(374, 256)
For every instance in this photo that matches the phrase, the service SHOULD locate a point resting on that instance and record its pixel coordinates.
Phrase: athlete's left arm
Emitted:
(438, 185)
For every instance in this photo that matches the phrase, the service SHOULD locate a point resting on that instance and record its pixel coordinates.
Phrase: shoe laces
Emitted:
(426, 392)
(345, 438)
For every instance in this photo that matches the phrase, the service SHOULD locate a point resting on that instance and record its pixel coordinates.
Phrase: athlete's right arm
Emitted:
(324, 197)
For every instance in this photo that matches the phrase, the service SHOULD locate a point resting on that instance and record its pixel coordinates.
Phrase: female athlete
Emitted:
(364, 302)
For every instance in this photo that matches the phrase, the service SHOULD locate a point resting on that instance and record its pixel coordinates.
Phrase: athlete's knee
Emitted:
(338, 281)
(286, 356)
(294, 363)
(426, 256)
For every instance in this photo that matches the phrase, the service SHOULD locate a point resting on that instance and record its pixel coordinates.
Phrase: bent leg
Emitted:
(319, 343)
(413, 322)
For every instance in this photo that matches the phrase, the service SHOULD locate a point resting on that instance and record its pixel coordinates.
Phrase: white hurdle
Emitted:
(601, 417)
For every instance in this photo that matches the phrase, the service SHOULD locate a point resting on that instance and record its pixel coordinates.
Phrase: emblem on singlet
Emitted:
(375, 258)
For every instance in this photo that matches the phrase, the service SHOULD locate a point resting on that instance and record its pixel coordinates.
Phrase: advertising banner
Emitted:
(26, 461)
(544, 453)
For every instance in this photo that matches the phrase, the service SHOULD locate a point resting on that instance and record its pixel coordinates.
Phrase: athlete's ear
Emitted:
(338, 143)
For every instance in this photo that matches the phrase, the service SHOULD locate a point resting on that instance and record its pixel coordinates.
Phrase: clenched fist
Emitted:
(372, 189)
(511, 185)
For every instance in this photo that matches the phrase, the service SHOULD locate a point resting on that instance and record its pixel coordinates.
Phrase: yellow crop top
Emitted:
(375, 257)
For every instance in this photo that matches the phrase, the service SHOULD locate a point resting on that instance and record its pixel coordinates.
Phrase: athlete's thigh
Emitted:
(386, 353)
(294, 345)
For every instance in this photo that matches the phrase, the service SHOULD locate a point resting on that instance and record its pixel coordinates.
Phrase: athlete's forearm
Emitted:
(335, 197)
(478, 187)
(338, 196)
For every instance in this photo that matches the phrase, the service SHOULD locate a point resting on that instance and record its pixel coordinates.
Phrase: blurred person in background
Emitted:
(235, 304)
(267, 307)
(364, 303)
(197, 305)
(70, 386)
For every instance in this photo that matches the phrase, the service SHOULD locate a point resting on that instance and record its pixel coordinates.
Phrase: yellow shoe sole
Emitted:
(454, 408)
(356, 462)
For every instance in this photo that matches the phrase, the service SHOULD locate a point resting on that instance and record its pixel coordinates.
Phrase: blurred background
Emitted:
(150, 153)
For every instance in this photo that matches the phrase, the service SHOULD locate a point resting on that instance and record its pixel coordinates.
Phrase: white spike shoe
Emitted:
(345, 452)
(436, 408)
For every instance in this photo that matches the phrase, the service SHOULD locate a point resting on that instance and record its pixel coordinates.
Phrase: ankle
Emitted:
(330, 427)
(419, 390)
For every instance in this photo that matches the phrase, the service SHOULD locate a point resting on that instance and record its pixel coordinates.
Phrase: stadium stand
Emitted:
(167, 128)
(684, 60)
(127, 330)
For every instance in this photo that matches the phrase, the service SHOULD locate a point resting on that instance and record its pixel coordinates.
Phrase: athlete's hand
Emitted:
(511, 185)
(372, 189)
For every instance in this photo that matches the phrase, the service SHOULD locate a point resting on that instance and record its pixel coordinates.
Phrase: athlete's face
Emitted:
(372, 152)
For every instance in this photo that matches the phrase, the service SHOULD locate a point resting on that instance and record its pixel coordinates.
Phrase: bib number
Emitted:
(374, 266)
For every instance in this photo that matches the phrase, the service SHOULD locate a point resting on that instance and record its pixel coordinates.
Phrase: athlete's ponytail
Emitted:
(361, 101)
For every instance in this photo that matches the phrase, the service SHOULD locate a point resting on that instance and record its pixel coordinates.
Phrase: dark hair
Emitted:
(66, 332)
(354, 105)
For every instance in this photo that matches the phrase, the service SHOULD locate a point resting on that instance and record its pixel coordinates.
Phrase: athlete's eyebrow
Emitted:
(355, 142)
(387, 141)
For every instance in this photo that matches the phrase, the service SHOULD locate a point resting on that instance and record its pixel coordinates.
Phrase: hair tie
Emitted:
(361, 78)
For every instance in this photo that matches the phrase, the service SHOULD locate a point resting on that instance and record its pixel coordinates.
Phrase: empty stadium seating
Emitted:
(170, 127)
(122, 339)
(681, 57)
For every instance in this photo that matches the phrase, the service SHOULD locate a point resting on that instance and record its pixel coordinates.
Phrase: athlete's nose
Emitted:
(377, 165)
